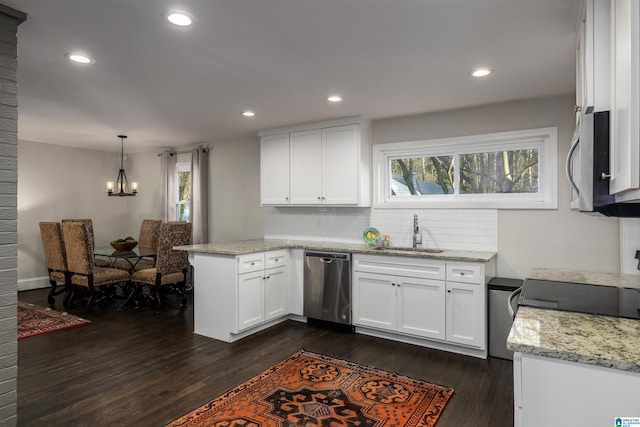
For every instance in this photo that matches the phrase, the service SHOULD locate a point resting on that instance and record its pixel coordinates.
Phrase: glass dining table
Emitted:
(132, 256)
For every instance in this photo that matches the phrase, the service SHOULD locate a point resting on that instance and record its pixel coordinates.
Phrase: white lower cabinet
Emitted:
(261, 288)
(552, 392)
(421, 298)
(395, 303)
(466, 304)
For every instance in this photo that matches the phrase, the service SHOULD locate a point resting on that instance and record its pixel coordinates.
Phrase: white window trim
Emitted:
(543, 139)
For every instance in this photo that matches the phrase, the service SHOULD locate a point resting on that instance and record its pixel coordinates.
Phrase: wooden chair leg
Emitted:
(156, 301)
(68, 297)
(50, 299)
(92, 293)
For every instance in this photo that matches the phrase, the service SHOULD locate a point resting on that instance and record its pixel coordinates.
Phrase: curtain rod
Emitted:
(171, 153)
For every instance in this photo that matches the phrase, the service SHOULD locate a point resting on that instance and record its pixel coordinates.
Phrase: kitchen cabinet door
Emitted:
(374, 301)
(306, 167)
(274, 170)
(422, 307)
(625, 112)
(593, 57)
(340, 157)
(466, 314)
(250, 300)
(275, 293)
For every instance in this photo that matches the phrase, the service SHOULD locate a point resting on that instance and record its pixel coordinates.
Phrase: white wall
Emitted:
(56, 182)
(60, 182)
(526, 238)
(234, 189)
(235, 212)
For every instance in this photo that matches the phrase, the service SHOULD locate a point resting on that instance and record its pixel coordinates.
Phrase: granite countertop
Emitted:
(261, 245)
(607, 341)
(586, 277)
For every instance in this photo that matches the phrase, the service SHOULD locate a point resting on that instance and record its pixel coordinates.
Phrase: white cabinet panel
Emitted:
(274, 169)
(374, 301)
(593, 57)
(275, 293)
(422, 309)
(261, 287)
(276, 259)
(318, 163)
(250, 300)
(250, 262)
(465, 272)
(625, 114)
(551, 392)
(410, 296)
(466, 314)
(340, 152)
(306, 167)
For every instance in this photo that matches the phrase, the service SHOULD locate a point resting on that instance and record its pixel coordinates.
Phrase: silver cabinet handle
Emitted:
(574, 144)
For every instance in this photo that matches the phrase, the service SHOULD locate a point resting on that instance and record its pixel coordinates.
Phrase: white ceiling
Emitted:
(166, 86)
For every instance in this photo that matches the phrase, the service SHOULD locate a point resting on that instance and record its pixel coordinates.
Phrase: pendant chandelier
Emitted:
(121, 185)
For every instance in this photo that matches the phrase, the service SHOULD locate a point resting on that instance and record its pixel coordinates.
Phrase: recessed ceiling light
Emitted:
(334, 98)
(79, 58)
(179, 18)
(480, 72)
(248, 114)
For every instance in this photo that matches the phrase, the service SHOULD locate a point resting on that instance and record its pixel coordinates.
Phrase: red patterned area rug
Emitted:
(36, 320)
(312, 390)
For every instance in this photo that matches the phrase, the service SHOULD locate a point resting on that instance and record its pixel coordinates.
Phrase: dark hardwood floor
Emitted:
(141, 368)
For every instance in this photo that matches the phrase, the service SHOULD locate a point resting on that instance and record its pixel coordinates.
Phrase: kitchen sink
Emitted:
(407, 249)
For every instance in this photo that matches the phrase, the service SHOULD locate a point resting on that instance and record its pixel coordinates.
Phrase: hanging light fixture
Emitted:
(121, 185)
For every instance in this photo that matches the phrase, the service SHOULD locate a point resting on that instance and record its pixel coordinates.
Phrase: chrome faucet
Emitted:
(417, 236)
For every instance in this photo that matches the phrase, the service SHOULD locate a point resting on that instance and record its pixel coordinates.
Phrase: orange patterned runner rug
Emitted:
(36, 320)
(313, 390)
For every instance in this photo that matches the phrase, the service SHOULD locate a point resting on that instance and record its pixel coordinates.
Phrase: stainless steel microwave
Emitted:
(587, 169)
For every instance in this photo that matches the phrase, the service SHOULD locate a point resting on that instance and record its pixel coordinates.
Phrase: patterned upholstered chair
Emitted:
(55, 258)
(170, 271)
(98, 261)
(80, 262)
(148, 238)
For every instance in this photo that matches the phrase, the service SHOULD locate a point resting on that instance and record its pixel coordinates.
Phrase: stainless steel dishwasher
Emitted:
(327, 286)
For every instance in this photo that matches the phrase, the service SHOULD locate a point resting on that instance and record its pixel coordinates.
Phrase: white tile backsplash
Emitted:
(460, 229)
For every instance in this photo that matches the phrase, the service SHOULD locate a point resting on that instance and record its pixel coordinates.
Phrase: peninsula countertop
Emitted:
(262, 245)
(606, 341)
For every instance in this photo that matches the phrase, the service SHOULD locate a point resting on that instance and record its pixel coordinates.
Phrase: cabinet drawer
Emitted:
(275, 259)
(250, 262)
(465, 273)
(400, 266)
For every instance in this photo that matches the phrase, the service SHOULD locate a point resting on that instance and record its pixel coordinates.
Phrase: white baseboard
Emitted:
(33, 283)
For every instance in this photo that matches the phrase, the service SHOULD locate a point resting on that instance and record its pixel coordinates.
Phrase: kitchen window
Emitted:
(183, 187)
(508, 170)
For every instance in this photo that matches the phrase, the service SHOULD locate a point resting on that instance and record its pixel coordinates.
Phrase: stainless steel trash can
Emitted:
(499, 318)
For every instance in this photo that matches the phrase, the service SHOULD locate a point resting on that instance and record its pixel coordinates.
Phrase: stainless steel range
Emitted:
(582, 298)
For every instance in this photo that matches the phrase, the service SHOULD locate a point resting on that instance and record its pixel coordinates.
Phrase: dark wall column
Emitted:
(9, 21)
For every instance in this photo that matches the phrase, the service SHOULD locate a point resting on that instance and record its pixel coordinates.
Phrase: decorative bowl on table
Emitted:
(125, 245)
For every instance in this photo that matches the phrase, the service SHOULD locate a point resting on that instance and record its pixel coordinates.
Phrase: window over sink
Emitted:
(507, 170)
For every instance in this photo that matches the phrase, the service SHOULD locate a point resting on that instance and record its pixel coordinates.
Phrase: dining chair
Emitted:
(98, 261)
(55, 259)
(84, 272)
(147, 238)
(170, 272)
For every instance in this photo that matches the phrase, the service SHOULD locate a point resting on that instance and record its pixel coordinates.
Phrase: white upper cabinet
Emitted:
(625, 110)
(274, 169)
(340, 151)
(306, 167)
(324, 163)
(593, 56)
